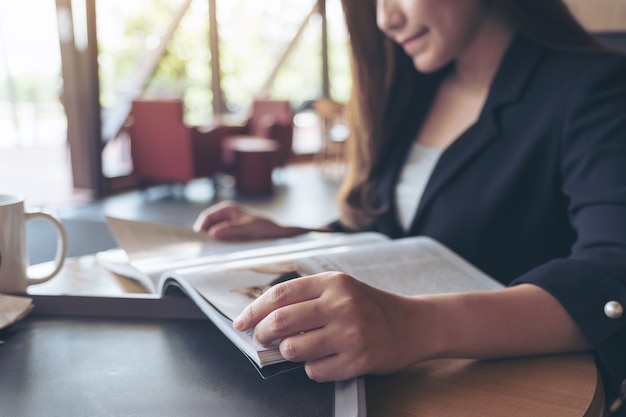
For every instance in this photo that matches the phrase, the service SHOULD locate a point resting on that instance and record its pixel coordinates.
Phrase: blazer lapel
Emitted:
(508, 86)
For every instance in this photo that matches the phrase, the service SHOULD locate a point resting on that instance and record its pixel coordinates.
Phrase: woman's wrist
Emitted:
(428, 326)
(418, 329)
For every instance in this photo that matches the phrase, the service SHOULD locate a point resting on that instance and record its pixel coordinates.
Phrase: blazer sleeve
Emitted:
(593, 169)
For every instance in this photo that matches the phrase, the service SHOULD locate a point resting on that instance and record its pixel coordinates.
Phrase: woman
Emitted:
(498, 128)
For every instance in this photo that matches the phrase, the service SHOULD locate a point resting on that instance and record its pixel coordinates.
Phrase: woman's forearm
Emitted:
(521, 320)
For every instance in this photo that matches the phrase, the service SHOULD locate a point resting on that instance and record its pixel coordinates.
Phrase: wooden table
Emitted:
(555, 386)
(564, 385)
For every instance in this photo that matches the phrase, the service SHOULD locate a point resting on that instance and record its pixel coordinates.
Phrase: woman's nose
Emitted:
(388, 15)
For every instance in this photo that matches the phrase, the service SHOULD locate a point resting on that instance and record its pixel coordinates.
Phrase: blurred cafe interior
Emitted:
(77, 78)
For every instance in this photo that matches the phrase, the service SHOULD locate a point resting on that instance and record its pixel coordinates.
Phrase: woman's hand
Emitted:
(228, 221)
(339, 326)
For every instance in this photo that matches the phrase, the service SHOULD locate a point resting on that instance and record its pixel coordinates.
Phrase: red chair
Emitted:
(272, 119)
(164, 149)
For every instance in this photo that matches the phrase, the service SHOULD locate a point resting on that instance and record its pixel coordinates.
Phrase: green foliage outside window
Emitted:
(253, 35)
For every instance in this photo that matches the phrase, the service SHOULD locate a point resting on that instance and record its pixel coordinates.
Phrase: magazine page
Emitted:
(409, 266)
(150, 249)
(118, 262)
(231, 286)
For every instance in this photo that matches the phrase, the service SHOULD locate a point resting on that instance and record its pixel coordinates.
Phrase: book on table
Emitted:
(223, 278)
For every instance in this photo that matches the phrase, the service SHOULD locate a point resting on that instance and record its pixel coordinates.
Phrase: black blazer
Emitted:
(535, 191)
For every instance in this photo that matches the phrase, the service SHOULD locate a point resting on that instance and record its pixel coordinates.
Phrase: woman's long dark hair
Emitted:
(378, 65)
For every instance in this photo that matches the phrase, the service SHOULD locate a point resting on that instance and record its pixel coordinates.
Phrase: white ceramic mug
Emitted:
(14, 263)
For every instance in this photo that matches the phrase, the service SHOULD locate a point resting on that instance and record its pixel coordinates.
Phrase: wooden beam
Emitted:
(218, 102)
(325, 71)
(81, 91)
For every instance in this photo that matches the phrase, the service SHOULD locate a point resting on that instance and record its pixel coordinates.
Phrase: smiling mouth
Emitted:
(413, 38)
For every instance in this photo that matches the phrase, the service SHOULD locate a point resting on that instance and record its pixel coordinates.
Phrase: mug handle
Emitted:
(59, 258)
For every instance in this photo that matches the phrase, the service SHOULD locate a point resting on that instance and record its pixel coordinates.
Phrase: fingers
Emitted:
(232, 230)
(294, 319)
(337, 367)
(307, 346)
(285, 294)
(247, 227)
(228, 221)
(222, 212)
(325, 355)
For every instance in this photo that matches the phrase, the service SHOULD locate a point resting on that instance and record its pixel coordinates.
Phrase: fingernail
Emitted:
(238, 323)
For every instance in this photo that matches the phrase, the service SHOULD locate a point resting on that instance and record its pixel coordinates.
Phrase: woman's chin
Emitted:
(427, 65)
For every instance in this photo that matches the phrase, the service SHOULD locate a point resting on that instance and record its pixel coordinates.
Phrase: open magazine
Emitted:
(223, 278)
(147, 250)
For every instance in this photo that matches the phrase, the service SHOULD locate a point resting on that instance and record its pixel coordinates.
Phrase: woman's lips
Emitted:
(410, 40)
